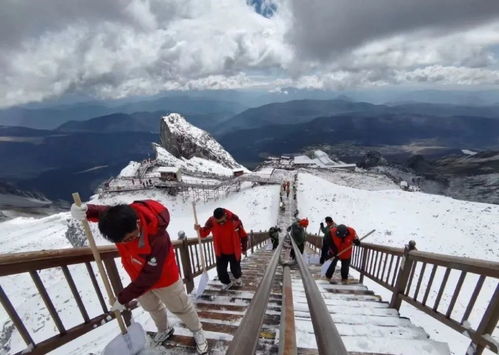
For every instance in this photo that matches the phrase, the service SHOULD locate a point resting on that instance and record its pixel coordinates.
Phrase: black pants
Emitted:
(345, 264)
(222, 263)
(275, 243)
(301, 247)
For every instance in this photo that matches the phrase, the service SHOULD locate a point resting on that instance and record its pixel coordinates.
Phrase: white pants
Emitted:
(175, 299)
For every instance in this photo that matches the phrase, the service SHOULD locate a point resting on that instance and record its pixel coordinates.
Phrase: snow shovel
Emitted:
(132, 340)
(204, 276)
(326, 264)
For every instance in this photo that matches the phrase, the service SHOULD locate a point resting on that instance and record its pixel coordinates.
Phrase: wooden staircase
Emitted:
(366, 324)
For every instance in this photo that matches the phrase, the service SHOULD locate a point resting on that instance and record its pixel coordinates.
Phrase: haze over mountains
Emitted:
(81, 151)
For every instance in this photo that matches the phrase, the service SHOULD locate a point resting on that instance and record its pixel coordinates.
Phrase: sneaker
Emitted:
(225, 287)
(238, 282)
(162, 336)
(201, 343)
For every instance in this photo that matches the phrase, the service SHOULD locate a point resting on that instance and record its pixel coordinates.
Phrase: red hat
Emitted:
(303, 222)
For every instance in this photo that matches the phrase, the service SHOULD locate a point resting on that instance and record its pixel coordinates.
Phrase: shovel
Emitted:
(204, 276)
(325, 266)
(131, 340)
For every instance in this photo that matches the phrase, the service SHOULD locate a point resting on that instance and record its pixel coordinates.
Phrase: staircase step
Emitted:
(384, 345)
(371, 303)
(362, 330)
(389, 321)
(352, 311)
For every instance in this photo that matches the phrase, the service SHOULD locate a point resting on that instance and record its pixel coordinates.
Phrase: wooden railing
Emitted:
(410, 275)
(186, 254)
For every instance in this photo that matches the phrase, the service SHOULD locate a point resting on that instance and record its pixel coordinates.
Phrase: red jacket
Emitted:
(229, 237)
(150, 259)
(340, 244)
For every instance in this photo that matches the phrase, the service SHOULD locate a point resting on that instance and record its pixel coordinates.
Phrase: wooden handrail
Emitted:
(31, 262)
(403, 273)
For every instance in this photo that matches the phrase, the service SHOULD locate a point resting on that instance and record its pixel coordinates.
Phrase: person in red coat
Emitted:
(229, 240)
(342, 238)
(139, 232)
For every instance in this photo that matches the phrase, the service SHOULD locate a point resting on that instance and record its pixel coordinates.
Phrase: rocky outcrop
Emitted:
(371, 159)
(183, 140)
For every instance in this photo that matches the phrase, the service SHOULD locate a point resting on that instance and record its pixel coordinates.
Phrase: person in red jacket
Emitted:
(342, 238)
(229, 240)
(139, 231)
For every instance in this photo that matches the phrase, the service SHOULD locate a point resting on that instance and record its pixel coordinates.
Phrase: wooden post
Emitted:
(251, 241)
(489, 320)
(403, 276)
(186, 265)
(363, 265)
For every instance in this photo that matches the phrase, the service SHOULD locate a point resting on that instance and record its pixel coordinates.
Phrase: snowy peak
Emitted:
(183, 140)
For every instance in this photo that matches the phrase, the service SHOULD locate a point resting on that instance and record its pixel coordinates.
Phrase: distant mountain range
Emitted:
(83, 152)
(53, 117)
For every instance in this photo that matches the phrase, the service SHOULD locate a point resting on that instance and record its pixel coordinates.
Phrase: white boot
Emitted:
(225, 287)
(201, 343)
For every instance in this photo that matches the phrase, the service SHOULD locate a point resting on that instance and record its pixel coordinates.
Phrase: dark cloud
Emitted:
(22, 20)
(323, 29)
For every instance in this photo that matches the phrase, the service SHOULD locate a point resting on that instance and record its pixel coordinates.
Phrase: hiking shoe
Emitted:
(238, 282)
(201, 343)
(225, 287)
(333, 282)
(162, 336)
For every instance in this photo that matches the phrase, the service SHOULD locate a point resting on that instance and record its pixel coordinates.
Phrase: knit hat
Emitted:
(303, 222)
(342, 231)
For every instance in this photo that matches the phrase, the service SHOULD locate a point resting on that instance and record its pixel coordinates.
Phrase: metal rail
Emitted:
(245, 339)
(327, 336)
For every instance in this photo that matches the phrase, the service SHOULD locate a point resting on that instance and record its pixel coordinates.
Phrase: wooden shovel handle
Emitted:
(203, 260)
(100, 266)
(365, 236)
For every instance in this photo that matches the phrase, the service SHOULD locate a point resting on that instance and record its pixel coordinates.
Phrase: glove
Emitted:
(79, 212)
(117, 306)
(322, 225)
(356, 241)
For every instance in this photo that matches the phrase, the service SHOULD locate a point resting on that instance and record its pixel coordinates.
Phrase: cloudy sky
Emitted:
(121, 48)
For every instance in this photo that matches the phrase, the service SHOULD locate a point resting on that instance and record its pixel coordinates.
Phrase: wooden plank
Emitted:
(76, 295)
(442, 288)
(421, 273)
(456, 294)
(473, 298)
(430, 282)
(14, 317)
(48, 302)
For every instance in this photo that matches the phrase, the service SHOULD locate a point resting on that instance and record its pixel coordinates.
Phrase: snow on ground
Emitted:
(438, 224)
(257, 207)
(130, 170)
(358, 179)
(195, 164)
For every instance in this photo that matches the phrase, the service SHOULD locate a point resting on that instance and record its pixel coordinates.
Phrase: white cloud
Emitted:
(117, 48)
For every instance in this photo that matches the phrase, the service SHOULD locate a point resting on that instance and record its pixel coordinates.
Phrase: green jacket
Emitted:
(273, 233)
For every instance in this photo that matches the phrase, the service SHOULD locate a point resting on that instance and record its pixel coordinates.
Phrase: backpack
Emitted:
(160, 210)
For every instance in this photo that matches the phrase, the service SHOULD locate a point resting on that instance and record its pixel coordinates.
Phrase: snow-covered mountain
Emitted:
(184, 140)
(359, 199)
